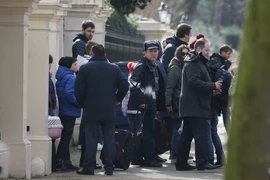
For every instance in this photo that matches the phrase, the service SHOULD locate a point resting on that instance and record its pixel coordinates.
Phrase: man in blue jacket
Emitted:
(182, 36)
(98, 87)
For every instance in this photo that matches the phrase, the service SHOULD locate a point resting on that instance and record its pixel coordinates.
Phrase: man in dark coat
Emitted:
(218, 60)
(196, 109)
(147, 93)
(221, 101)
(79, 42)
(182, 36)
(99, 86)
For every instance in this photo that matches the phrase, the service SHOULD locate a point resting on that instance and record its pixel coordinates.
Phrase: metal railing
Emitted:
(123, 46)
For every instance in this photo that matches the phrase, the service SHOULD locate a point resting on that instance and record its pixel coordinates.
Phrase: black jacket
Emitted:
(142, 85)
(215, 63)
(197, 87)
(99, 85)
(52, 97)
(172, 43)
(78, 47)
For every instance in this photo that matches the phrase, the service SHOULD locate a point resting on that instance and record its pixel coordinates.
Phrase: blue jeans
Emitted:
(215, 140)
(226, 117)
(175, 137)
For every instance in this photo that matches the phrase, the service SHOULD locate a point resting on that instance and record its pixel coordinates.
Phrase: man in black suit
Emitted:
(196, 108)
(98, 87)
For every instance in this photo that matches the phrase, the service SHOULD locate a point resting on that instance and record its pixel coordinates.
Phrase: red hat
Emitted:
(199, 36)
(130, 66)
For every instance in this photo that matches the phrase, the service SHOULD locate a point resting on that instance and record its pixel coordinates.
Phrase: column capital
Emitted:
(82, 10)
(15, 13)
(62, 11)
(104, 15)
(7, 6)
(45, 11)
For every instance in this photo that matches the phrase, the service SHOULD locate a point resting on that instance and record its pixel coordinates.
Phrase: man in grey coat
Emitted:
(98, 87)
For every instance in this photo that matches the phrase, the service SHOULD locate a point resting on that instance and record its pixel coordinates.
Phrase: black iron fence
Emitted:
(123, 46)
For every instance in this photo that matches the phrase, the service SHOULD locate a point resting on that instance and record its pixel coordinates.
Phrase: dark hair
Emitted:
(50, 59)
(179, 51)
(182, 30)
(225, 48)
(87, 23)
(66, 61)
(200, 43)
(89, 46)
(98, 50)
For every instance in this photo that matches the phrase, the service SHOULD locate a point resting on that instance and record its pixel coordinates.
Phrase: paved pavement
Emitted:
(137, 173)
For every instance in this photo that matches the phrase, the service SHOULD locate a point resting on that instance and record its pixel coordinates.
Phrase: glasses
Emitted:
(184, 54)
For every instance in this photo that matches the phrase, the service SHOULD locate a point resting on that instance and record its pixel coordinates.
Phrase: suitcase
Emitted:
(162, 140)
(127, 144)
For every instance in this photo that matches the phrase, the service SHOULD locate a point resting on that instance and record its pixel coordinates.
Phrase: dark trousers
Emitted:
(108, 151)
(199, 129)
(149, 137)
(82, 141)
(53, 154)
(63, 153)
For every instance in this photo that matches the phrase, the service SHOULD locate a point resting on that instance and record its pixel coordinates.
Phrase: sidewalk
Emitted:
(137, 173)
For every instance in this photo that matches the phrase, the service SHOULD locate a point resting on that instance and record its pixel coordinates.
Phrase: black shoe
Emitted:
(186, 167)
(98, 166)
(137, 162)
(208, 167)
(60, 169)
(159, 159)
(71, 167)
(109, 173)
(219, 164)
(86, 171)
(152, 164)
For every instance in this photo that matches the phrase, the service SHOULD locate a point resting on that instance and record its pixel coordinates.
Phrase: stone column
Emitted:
(56, 36)
(38, 74)
(13, 79)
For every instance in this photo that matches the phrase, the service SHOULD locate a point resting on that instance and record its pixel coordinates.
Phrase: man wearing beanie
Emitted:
(147, 93)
